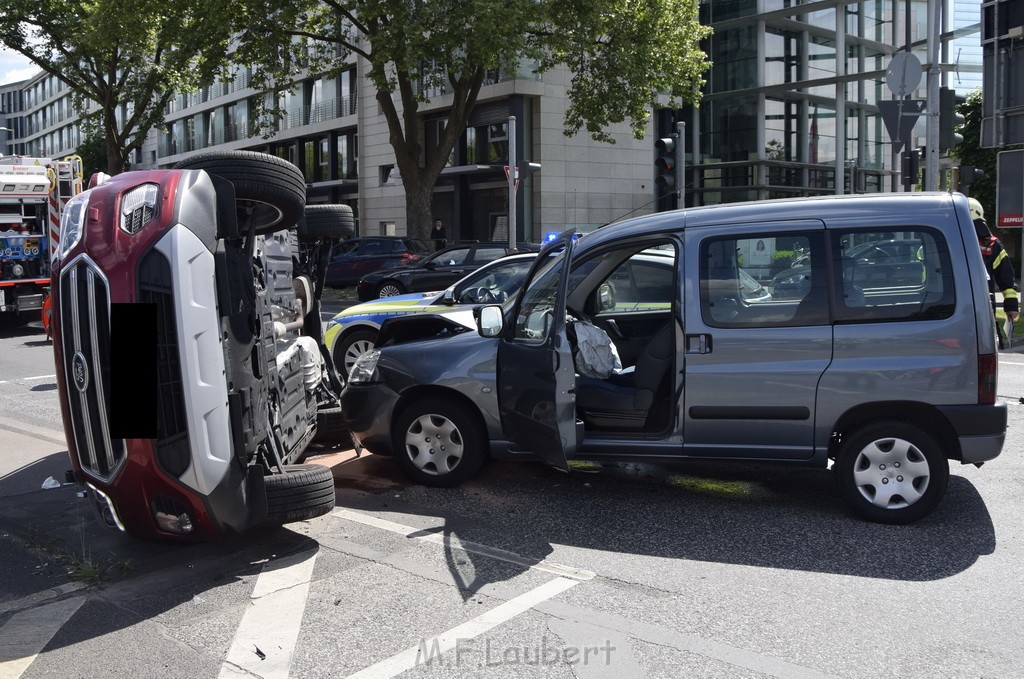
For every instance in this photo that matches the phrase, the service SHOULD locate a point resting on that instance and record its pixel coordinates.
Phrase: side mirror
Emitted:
(430, 265)
(449, 297)
(490, 322)
(605, 297)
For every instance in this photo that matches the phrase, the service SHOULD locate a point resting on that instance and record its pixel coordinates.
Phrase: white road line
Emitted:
(465, 545)
(430, 649)
(26, 633)
(39, 597)
(271, 626)
(37, 377)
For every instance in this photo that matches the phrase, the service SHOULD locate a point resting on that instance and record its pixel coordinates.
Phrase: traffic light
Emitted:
(968, 175)
(950, 119)
(665, 177)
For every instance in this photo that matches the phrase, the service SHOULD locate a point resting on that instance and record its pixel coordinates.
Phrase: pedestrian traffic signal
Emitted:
(665, 161)
(950, 119)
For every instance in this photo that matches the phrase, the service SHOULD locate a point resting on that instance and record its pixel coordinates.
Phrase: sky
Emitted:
(14, 67)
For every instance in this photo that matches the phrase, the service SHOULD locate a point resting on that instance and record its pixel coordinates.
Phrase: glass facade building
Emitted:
(791, 102)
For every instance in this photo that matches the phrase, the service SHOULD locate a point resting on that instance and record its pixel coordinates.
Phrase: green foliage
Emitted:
(970, 152)
(93, 153)
(623, 57)
(122, 59)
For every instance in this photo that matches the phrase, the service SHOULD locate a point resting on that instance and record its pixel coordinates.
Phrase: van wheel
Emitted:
(331, 427)
(327, 221)
(352, 347)
(892, 472)
(269, 191)
(304, 491)
(438, 442)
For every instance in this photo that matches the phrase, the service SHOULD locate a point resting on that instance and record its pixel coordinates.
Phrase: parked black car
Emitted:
(357, 257)
(435, 272)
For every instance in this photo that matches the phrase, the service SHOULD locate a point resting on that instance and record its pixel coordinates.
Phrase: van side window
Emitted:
(764, 280)
(892, 275)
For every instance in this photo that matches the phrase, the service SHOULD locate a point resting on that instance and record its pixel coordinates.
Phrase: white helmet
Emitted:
(977, 212)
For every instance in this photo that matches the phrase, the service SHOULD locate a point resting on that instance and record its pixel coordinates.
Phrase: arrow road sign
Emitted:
(899, 117)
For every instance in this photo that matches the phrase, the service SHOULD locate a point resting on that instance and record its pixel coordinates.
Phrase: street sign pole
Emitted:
(513, 174)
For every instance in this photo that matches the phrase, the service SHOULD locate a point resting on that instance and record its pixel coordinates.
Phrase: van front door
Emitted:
(536, 377)
(758, 338)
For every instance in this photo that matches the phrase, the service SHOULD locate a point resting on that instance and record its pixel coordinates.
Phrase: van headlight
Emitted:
(364, 370)
(139, 208)
(72, 224)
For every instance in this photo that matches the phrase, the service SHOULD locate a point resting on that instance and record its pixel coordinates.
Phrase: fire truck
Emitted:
(33, 193)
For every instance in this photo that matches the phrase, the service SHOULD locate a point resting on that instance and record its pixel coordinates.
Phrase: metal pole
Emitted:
(512, 173)
(681, 163)
(931, 164)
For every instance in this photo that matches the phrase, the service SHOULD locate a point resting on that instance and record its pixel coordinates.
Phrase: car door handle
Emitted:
(457, 270)
(698, 343)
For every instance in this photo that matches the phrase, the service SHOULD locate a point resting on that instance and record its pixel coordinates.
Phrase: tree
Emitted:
(970, 152)
(123, 60)
(93, 152)
(622, 54)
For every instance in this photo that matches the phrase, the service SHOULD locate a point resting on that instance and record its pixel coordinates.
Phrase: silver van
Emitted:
(884, 366)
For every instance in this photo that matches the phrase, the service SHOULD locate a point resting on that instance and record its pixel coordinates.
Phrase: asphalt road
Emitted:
(622, 571)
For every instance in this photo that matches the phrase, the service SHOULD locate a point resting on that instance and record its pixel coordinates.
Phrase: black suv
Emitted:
(435, 272)
(357, 257)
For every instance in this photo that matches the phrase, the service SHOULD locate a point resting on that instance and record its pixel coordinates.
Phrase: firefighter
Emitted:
(997, 264)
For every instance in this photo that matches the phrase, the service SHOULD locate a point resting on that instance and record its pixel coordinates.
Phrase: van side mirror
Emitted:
(490, 322)
(449, 297)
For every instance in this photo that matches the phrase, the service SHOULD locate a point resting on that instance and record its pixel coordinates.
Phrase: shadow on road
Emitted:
(767, 516)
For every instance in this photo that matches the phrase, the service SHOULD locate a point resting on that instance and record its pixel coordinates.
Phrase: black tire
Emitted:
(327, 221)
(892, 472)
(269, 190)
(431, 426)
(348, 349)
(331, 426)
(304, 491)
(390, 288)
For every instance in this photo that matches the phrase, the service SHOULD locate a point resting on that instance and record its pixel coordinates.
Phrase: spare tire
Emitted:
(304, 491)
(327, 221)
(268, 190)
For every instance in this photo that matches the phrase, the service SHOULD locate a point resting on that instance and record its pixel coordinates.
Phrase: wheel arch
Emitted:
(433, 391)
(922, 415)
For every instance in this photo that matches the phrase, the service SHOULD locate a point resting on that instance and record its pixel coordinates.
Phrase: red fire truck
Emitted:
(33, 193)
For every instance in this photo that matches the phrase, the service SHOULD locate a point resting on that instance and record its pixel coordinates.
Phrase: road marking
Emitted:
(39, 597)
(428, 535)
(21, 379)
(266, 636)
(429, 650)
(26, 633)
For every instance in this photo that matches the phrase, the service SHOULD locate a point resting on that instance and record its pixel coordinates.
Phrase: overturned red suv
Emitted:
(191, 366)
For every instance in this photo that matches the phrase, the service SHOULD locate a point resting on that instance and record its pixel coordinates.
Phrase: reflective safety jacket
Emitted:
(1000, 272)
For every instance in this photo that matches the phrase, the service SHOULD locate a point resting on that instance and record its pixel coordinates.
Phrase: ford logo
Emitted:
(80, 371)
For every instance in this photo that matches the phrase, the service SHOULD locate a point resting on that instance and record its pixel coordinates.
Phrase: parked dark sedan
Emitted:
(435, 272)
(357, 257)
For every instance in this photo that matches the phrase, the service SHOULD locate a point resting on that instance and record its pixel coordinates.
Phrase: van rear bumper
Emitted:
(981, 430)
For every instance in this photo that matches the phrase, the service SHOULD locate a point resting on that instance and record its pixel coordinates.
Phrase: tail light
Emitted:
(988, 365)
(409, 258)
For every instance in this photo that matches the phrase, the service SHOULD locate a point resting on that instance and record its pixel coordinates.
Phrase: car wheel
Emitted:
(331, 426)
(327, 221)
(351, 347)
(269, 191)
(389, 289)
(892, 472)
(304, 491)
(438, 442)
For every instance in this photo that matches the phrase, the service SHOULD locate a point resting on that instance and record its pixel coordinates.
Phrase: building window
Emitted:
(387, 175)
(497, 143)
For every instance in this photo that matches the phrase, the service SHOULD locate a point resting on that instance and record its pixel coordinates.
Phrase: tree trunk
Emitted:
(419, 194)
